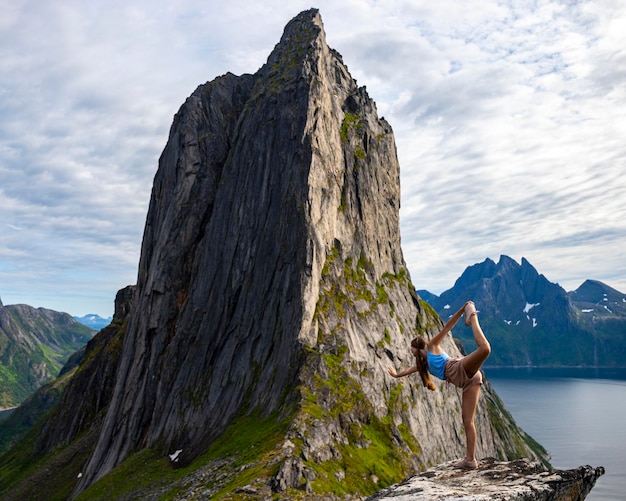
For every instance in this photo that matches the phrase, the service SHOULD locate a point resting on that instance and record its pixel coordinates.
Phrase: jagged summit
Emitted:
(272, 287)
(256, 186)
(534, 322)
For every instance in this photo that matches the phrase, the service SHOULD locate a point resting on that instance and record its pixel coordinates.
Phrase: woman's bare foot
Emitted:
(470, 310)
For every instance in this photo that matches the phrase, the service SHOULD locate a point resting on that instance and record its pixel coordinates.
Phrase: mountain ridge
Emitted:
(534, 322)
(35, 343)
(93, 321)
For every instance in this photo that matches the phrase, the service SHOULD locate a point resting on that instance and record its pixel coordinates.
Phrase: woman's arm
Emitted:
(402, 373)
(436, 341)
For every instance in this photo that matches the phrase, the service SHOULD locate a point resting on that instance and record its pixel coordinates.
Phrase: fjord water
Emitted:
(578, 415)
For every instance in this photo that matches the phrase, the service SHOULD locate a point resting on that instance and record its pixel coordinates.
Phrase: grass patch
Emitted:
(241, 455)
(350, 121)
(147, 471)
(370, 461)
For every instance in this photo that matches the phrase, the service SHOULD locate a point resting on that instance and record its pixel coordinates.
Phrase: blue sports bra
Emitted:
(436, 364)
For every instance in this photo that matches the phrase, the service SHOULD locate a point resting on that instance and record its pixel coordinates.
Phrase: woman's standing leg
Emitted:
(472, 364)
(468, 410)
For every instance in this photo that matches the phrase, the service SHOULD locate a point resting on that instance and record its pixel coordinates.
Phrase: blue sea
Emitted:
(578, 415)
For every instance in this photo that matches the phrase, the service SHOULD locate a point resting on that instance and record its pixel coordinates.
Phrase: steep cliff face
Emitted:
(272, 294)
(272, 280)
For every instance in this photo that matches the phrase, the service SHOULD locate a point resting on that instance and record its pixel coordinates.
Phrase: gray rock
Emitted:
(521, 480)
(272, 283)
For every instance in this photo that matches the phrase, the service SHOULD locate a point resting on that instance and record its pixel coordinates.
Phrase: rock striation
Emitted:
(521, 480)
(272, 293)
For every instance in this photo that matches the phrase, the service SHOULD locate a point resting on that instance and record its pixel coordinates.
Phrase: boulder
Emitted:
(520, 480)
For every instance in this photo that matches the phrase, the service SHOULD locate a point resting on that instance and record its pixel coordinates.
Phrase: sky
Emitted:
(509, 119)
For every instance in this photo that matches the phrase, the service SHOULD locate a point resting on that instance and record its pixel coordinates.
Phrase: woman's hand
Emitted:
(461, 312)
(391, 370)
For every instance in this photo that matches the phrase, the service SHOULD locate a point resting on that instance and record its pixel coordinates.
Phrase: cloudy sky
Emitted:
(509, 116)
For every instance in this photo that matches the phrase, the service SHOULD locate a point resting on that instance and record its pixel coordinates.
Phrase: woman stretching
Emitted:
(462, 372)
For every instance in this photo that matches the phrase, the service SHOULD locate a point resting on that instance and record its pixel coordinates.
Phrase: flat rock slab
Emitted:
(518, 480)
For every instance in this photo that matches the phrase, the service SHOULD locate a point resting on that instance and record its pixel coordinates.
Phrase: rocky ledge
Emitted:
(518, 480)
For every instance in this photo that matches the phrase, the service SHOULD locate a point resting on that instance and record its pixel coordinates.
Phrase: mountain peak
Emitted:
(532, 321)
(303, 36)
(265, 178)
(595, 291)
(307, 22)
(272, 288)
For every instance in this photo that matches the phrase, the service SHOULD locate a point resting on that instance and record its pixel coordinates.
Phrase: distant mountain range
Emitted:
(94, 321)
(35, 343)
(531, 321)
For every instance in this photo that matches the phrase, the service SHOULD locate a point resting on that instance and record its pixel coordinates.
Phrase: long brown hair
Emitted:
(422, 362)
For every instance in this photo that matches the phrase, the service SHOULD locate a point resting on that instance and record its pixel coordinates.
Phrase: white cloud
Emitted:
(508, 118)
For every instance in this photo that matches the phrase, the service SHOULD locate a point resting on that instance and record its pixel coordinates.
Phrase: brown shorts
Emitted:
(455, 373)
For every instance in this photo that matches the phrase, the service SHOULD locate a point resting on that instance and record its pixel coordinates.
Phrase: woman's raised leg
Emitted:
(473, 362)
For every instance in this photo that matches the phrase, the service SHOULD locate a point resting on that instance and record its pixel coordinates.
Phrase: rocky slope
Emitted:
(532, 321)
(34, 345)
(272, 294)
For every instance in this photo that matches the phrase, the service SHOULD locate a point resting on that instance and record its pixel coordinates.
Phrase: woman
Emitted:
(462, 372)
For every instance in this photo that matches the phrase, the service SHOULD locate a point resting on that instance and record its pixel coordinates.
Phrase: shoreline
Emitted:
(604, 367)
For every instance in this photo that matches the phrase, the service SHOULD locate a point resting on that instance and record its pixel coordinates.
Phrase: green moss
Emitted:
(364, 263)
(400, 277)
(309, 404)
(431, 314)
(394, 397)
(341, 292)
(369, 461)
(409, 439)
(252, 442)
(350, 121)
(387, 336)
(371, 458)
(429, 309)
(381, 294)
(385, 340)
(147, 471)
(346, 394)
(366, 468)
(342, 203)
